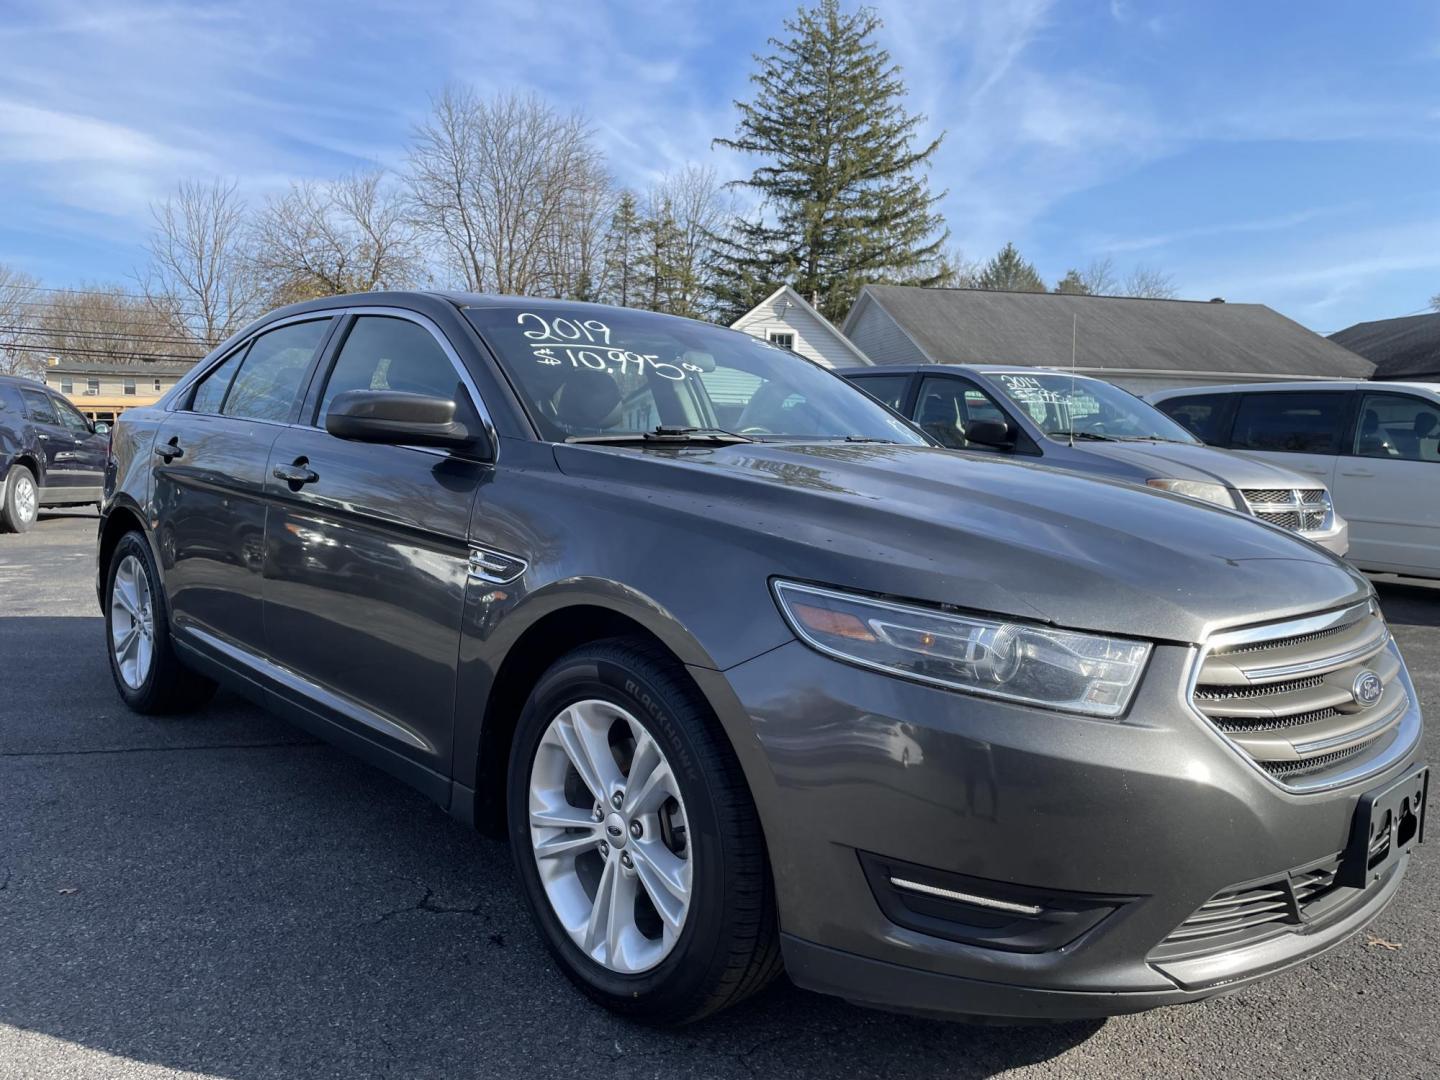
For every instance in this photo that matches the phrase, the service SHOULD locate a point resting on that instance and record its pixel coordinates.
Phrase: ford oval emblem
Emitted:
(616, 831)
(1367, 689)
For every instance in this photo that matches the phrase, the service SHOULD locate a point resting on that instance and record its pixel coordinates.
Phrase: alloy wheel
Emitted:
(609, 832)
(132, 622)
(26, 503)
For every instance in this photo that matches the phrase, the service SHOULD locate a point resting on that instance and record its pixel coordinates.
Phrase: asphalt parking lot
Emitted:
(221, 896)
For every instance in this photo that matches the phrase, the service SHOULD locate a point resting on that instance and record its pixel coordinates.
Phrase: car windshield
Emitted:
(585, 372)
(1061, 404)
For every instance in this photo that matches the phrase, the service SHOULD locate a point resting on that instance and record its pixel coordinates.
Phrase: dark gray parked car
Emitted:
(749, 672)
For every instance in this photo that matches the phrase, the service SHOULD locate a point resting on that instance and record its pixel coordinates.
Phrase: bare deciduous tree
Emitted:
(19, 345)
(200, 270)
(496, 182)
(698, 206)
(1150, 283)
(104, 323)
(322, 239)
(1098, 279)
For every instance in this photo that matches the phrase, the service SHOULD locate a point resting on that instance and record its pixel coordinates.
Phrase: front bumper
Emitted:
(1155, 812)
(1335, 540)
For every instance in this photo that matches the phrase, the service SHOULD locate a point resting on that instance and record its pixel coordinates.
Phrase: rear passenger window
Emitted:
(1398, 426)
(210, 393)
(1292, 423)
(270, 376)
(1203, 415)
(887, 388)
(39, 407)
(382, 353)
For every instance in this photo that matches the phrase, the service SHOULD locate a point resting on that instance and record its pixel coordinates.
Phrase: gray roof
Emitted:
(977, 326)
(142, 368)
(1404, 348)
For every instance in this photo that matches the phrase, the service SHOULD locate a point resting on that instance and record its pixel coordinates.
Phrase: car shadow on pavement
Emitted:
(221, 894)
(1409, 601)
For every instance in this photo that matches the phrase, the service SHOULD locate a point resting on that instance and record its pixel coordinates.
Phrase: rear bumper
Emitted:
(878, 984)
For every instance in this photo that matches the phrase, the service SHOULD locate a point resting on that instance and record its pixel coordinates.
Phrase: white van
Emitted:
(1375, 444)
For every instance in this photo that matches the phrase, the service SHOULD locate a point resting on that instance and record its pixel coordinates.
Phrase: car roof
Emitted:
(1309, 384)
(964, 369)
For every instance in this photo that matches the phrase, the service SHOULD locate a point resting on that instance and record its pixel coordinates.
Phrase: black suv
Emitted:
(50, 455)
(748, 670)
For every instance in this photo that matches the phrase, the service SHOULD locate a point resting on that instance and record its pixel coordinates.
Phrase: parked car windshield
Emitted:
(589, 372)
(1061, 404)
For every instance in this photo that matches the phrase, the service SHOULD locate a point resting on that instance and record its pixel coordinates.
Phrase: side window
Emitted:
(71, 418)
(937, 410)
(1292, 423)
(887, 388)
(39, 407)
(978, 405)
(383, 353)
(270, 376)
(210, 392)
(1398, 426)
(1203, 415)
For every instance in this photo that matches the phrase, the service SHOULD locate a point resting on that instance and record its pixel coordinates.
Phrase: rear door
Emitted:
(208, 485)
(1388, 484)
(366, 561)
(62, 469)
(1304, 430)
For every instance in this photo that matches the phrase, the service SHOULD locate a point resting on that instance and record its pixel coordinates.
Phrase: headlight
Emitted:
(1059, 669)
(1198, 489)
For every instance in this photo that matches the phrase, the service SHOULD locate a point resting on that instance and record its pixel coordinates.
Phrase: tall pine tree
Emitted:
(844, 197)
(1009, 270)
(623, 242)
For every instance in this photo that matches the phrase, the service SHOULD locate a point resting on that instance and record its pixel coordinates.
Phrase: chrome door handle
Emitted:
(296, 475)
(1358, 472)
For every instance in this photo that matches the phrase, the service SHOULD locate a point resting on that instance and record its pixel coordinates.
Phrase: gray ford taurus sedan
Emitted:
(753, 675)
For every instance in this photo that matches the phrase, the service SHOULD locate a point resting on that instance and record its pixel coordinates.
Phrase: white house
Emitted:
(786, 319)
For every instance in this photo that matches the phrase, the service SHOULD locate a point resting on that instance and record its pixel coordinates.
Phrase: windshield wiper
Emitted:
(667, 434)
(1093, 436)
(869, 439)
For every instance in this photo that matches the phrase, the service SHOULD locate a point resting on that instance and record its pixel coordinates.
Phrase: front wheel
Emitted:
(148, 674)
(636, 841)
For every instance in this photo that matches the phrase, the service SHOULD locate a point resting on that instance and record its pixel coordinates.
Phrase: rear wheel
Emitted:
(148, 674)
(636, 840)
(19, 500)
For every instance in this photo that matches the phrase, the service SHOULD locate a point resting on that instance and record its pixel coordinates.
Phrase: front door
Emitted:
(209, 487)
(85, 456)
(1388, 485)
(366, 555)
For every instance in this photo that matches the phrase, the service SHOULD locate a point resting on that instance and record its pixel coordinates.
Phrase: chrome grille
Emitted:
(1284, 695)
(1298, 509)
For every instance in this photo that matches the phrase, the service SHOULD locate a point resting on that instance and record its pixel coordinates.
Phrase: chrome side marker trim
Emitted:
(966, 898)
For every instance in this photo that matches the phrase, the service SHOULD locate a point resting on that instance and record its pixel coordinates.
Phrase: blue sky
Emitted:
(1281, 153)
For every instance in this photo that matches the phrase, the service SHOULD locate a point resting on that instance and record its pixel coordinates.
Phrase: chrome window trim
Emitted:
(466, 379)
(182, 388)
(1407, 733)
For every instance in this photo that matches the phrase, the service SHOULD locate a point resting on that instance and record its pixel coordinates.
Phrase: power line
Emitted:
(133, 354)
(60, 335)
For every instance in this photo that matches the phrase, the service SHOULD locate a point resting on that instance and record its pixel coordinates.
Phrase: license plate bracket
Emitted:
(1388, 823)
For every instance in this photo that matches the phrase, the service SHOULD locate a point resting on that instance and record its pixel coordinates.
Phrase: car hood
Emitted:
(986, 534)
(1183, 461)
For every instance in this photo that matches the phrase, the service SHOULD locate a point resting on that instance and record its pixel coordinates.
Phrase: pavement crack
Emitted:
(159, 749)
(428, 903)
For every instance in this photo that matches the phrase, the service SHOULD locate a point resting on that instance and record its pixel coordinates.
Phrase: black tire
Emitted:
(12, 517)
(729, 945)
(170, 686)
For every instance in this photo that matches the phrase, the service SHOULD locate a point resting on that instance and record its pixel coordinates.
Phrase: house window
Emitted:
(92, 387)
(157, 386)
(785, 341)
(67, 386)
(129, 387)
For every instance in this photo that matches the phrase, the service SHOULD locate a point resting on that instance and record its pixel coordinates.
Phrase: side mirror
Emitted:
(400, 419)
(100, 428)
(993, 433)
